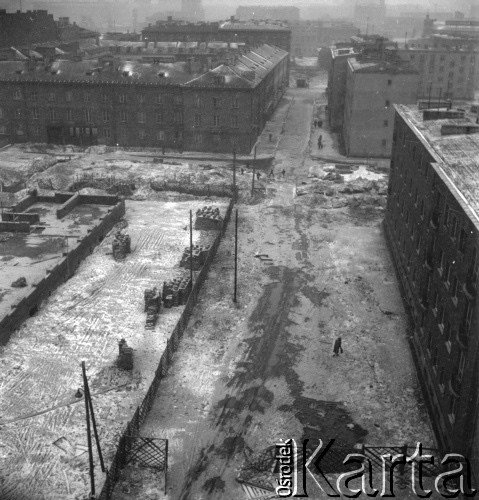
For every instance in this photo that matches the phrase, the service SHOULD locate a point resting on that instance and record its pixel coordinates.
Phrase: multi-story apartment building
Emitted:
(432, 226)
(372, 88)
(252, 33)
(131, 103)
(445, 71)
(338, 68)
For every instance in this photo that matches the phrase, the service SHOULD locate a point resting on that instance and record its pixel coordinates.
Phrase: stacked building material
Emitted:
(152, 307)
(125, 356)
(208, 218)
(199, 257)
(176, 292)
(121, 246)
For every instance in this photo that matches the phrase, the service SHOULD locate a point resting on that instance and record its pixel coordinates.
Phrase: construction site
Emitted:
(191, 380)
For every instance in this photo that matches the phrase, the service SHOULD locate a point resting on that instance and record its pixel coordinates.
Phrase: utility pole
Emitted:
(93, 421)
(254, 167)
(234, 168)
(88, 430)
(236, 255)
(191, 249)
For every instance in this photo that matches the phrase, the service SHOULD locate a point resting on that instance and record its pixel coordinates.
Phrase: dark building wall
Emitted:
(139, 115)
(25, 28)
(435, 248)
(337, 91)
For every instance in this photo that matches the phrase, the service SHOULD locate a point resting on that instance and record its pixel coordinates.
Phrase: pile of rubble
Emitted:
(121, 246)
(199, 257)
(152, 307)
(208, 218)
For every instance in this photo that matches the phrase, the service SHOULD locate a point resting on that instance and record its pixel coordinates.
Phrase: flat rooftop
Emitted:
(457, 155)
(30, 255)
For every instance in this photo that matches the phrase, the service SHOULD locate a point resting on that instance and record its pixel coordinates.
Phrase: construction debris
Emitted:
(152, 307)
(19, 283)
(121, 246)
(176, 292)
(199, 257)
(125, 356)
(208, 218)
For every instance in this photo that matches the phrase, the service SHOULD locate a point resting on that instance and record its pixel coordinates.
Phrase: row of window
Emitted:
(125, 116)
(124, 98)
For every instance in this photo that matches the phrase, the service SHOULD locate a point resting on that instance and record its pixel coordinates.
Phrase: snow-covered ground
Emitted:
(42, 429)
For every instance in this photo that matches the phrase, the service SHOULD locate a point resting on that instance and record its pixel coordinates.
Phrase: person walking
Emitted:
(271, 174)
(283, 172)
(337, 347)
(258, 175)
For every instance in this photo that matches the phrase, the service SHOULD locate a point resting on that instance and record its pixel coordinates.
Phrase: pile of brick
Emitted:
(199, 257)
(121, 246)
(152, 307)
(125, 356)
(208, 218)
(176, 292)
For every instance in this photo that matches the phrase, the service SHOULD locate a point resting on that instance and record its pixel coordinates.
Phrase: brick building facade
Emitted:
(432, 227)
(143, 105)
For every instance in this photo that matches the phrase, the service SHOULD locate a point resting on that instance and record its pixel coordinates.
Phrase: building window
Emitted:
(198, 139)
(197, 120)
(141, 134)
(105, 100)
(197, 101)
(159, 117)
(447, 336)
(3, 129)
(123, 116)
(386, 123)
(36, 130)
(86, 97)
(69, 115)
(159, 99)
(462, 240)
(418, 244)
(441, 381)
(18, 113)
(19, 130)
(17, 95)
(160, 135)
(106, 133)
(453, 227)
(141, 98)
(87, 114)
(447, 274)
(236, 102)
(178, 99)
(216, 102)
(384, 143)
(234, 121)
(122, 99)
(34, 95)
(35, 114)
(216, 120)
(52, 114)
(68, 96)
(460, 367)
(387, 103)
(51, 96)
(106, 116)
(435, 302)
(178, 117)
(390, 82)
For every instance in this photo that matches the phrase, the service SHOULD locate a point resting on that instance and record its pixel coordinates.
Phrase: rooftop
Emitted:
(457, 156)
(364, 65)
(254, 26)
(94, 71)
(249, 70)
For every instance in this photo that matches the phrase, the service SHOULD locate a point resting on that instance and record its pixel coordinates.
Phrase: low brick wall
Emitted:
(62, 197)
(68, 206)
(24, 203)
(32, 218)
(58, 274)
(14, 227)
(97, 199)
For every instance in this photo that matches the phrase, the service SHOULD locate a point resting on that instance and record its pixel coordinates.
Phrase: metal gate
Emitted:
(148, 452)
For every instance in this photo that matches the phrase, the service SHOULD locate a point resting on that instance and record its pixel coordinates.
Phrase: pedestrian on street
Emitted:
(337, 347)
(258, 175)
(315, 123)
(242, 171)
(271, 174)
(283, 172)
